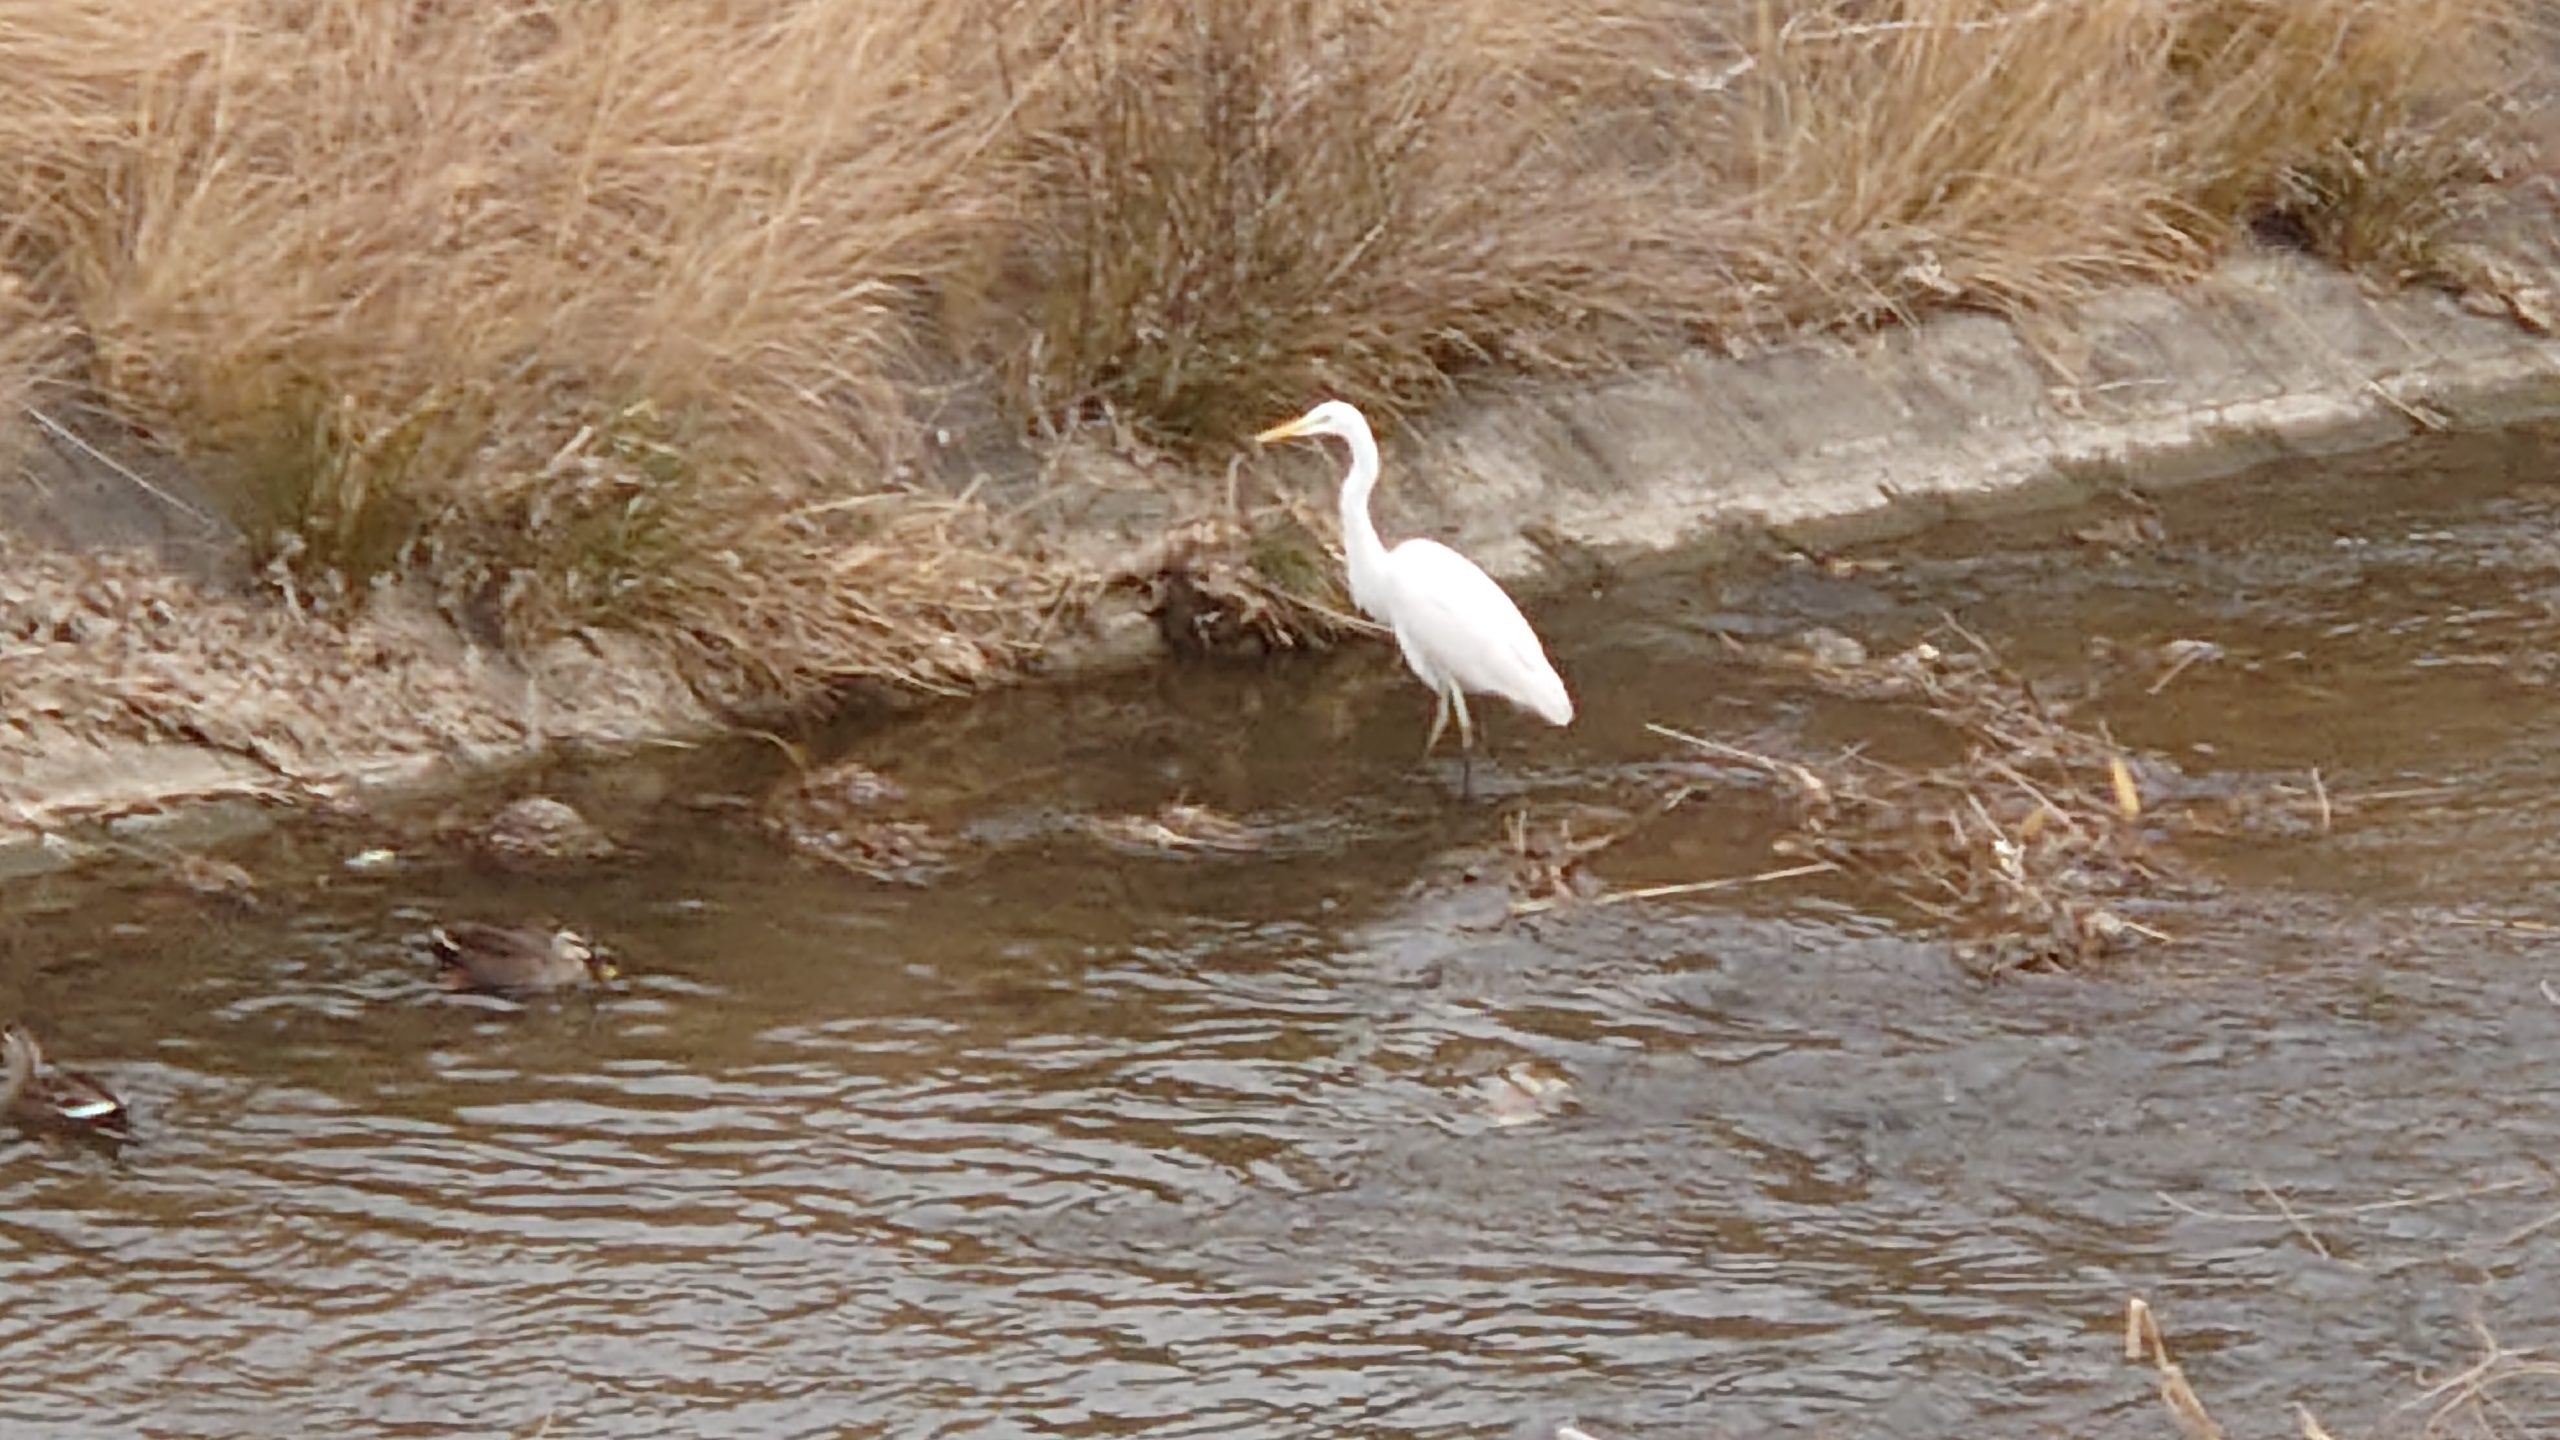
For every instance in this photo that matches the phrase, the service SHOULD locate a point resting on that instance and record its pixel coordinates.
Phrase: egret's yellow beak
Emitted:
(1289, 430)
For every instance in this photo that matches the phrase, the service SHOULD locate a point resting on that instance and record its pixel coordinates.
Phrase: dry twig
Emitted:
(2141, 1338)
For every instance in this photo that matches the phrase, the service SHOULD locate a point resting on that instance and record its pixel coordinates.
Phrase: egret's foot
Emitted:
(1438, 775)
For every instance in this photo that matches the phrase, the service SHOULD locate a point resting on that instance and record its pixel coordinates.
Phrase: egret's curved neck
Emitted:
(1362, 551)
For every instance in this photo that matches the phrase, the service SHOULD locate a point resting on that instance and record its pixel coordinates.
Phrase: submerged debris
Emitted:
(2027, 846)
(2476, 1401)
(831, 814)
(843, 787)
(1545, 864)
(1823, 645)
(1539, 860)
(215, 879)
(1175, 829)
(1542, 862)
(169, 868)
(897, 852)
(2157, 666)
(2033, 844)
(2135, 524)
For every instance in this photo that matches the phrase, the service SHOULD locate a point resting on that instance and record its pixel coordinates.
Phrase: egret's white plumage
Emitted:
(1459, 632)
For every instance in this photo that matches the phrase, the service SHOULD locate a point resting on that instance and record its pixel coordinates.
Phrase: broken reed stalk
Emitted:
(2142, 1340)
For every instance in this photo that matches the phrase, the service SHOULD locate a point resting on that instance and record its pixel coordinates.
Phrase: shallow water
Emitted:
(1080, 1143)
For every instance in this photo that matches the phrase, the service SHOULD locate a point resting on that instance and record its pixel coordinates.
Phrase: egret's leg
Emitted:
(1466, 744)
(1439, 722)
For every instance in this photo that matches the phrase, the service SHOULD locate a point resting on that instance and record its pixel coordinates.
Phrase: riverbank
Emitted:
(1820, 444)
(447, 459)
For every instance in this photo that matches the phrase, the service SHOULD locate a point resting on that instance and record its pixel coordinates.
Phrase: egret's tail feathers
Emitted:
(1547, 699)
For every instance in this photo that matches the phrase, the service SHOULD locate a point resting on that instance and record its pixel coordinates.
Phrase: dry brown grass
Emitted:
(1234, 204)
(31, 352)
(1237, 205)
(614, 311)
(585, 309)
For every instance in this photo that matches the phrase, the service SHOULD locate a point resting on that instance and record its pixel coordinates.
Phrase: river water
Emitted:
(1075, 1141)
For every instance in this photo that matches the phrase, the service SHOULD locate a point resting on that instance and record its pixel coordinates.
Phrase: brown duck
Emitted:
(38, 1098)
(475, 956)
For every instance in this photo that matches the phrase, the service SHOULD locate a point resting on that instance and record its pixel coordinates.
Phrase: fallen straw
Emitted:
(1663, 892)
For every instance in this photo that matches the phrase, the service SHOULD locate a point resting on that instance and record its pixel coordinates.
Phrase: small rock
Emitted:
(538, 831)
(216, 879)
(1522, 1093)
(1826, 646)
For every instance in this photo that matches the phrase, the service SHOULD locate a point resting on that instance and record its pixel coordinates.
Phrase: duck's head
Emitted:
(600, 962)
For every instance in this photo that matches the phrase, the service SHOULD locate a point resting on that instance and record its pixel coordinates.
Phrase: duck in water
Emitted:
(40, 1098)
(471, 955)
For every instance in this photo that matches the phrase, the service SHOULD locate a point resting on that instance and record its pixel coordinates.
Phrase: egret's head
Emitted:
(1333, 417)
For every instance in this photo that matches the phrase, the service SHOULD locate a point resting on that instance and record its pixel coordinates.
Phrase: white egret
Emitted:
(1459, 632)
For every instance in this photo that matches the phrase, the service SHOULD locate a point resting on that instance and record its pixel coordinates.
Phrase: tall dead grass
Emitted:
(31, 346)
(1233, 203)
(1237, 204)
(570, 305)
(611, 311)
(2013, 156)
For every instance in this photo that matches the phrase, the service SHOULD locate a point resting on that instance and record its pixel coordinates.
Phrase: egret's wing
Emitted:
(1455, 618)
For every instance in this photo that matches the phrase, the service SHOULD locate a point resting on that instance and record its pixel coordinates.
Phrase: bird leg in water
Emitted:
(1439, 722)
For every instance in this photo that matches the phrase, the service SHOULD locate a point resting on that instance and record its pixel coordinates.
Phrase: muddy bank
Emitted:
(141, 688)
